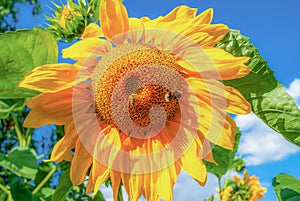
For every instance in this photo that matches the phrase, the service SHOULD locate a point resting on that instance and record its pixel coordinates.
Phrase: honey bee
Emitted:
(172, 95)
(132, 99)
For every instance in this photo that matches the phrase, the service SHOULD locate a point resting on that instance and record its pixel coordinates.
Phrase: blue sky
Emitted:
(273, 28)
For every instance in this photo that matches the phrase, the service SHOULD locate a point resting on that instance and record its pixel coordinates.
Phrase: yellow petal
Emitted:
(113, 18)
(62, 149)
(90, 186)
(107, 146)
(50, 108)
(80, 51)
(193, 165)
(136, 29)
(217, 127)
(115, 183)
(99, 176)
(207, 35)
(166, 181)
(51, 77)
(60, 152)
(80, 164)
(236, 103)
(227, 137)
(180, 12)
(204, 18)
(229, 66)
(215, 124)
(91, 31)
(150, 189)
(205, 147)
(134, 185)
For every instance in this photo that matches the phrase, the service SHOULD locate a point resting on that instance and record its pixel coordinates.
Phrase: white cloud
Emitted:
(108, 194)
(294, 90)
(187, 188)
(260, 144)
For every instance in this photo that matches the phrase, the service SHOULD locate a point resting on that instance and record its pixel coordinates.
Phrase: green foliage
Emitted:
(94, 6)
(63, 188)
(224, 158)
(20, 161)
(9, 106)
(286, 187)
(43, 170)
(9, 13)
(269, 100)
(70, 20)
(18, 190)
(3, 195)
(211, 198)
(99, 197)
(24, 50)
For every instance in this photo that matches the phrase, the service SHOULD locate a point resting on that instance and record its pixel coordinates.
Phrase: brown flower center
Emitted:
(142, 97)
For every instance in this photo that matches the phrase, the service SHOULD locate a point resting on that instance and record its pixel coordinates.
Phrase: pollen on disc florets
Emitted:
(118, 62)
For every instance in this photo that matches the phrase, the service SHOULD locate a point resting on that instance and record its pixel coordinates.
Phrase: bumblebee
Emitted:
(172, 95)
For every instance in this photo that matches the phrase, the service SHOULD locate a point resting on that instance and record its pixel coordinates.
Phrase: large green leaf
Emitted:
(21, 161)
(22, 51)
(18, 190)
(269, 100)
(224, 158)
(63, 188)
(287, 187)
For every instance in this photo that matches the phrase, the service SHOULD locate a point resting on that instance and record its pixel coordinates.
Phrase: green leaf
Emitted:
(20, 161)
(18, 190)
(268, 98)
(211, 198)
(94, 6)
(223, 157)
(99, 197)
(47, 193)
(238, 164)
(287, 187)
(63, 187)
(43, 170)
(8, 106)
(3, 195)
(24, 50)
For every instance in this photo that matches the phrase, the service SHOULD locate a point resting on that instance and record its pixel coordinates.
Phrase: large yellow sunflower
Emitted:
(143, 101)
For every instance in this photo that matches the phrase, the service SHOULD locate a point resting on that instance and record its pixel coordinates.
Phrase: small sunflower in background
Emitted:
(69, 21)
(241, 189)
(143, 101)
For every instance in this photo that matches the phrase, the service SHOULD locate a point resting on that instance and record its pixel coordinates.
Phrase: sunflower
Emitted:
(144, 100)
(246, 188)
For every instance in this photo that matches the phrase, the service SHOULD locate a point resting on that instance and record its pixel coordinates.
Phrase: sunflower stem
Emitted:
(28, 136)
(18, 131)
(227, 178)
(220, 190)
(4, 189)
(43, 182)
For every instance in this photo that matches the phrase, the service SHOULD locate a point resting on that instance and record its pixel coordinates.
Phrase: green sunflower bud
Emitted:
(70, 20)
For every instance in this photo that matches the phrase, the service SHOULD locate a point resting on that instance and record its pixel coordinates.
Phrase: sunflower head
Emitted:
(143, 101)
(240, 189)
(70, 20)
